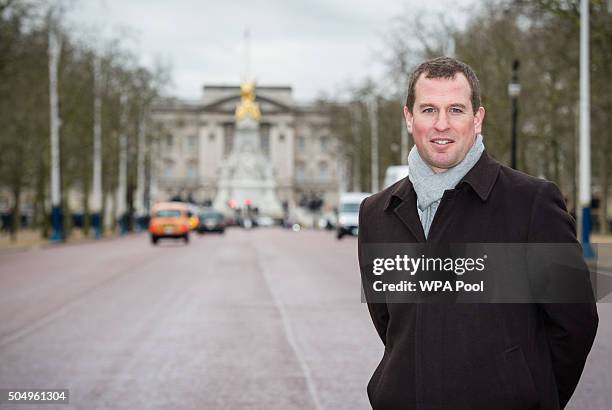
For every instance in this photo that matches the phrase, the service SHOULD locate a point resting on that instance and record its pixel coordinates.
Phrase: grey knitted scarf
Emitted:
(430, 186)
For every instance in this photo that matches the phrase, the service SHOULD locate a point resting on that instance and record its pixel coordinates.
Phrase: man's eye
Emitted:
(428, 110)
(456, 110)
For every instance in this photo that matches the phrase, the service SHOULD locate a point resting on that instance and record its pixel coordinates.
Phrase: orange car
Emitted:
(169, 220)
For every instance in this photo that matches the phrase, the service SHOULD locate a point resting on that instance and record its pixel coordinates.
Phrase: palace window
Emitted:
(228, 138)
(300, 171)
(324, 143)
(264, 138)
(168, 168)
(323, 171)
(301, 144)
(192, 169)
(192, 142)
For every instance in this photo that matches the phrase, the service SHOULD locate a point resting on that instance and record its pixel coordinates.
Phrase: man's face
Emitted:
(442, 121)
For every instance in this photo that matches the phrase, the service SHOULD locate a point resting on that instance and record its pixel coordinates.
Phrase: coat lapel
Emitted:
(409, 216)
(405, 208)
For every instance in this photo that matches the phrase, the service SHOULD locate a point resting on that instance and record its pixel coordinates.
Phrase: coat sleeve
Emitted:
(570, 327)
(378, 311)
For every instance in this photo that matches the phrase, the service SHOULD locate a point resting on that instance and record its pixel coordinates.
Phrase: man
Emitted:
(469, 356)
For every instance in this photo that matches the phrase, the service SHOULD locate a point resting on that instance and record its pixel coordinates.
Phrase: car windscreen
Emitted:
(211, 215)
(167, 213)
(350, 207)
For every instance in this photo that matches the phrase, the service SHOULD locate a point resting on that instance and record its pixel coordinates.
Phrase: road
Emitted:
(260, 319)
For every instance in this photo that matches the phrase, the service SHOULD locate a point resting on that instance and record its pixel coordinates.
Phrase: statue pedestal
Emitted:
(247, 175)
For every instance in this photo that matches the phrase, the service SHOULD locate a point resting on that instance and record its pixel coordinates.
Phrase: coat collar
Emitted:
(481, 178)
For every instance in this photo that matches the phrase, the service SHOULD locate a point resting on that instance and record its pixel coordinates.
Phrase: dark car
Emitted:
(211, 221)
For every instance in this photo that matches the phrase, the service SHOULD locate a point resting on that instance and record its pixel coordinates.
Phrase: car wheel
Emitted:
(339, 235)
(186, 238)
(154, 239)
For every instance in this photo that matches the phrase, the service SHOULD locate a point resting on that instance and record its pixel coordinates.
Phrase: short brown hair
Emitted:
(444, 67)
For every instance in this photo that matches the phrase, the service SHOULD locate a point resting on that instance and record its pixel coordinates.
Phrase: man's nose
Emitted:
(441, 121)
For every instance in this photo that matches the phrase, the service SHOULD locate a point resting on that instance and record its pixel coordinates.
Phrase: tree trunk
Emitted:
(575, 161)
(86, 213)
(39, 199)
(16, 181)
(603, 204)
(355, 170)
(556, 171)
(15, 211)
(66, 213)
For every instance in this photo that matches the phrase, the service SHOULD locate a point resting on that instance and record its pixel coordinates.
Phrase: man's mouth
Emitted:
(442, 141)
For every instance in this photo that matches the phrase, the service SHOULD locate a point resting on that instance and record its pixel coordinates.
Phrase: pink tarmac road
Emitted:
(261, 319)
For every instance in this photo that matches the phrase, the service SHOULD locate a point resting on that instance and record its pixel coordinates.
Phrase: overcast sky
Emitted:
(314, 46)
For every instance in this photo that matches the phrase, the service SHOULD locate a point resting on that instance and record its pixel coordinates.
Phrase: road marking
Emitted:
(290, 335)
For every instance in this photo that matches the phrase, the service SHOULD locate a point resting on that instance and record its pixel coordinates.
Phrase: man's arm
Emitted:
(378, 311)
(571, 327)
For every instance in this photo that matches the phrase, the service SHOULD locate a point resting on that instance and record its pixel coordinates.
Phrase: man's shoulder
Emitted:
(521, 183)
(490, 177)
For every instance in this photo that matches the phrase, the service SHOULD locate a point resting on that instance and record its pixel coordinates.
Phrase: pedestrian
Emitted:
(469, 355)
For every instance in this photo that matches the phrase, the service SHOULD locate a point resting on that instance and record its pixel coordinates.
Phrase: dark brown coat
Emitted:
(477, 356)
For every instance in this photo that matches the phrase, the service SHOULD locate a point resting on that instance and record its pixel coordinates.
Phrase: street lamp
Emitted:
(584, 221)
(55, 47)
(373, 106)
(514, 89)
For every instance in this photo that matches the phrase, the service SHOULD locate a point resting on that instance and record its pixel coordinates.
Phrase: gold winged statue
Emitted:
(247, 105)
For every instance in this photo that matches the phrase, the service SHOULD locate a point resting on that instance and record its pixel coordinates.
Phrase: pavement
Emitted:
(260, 319)
(28, 239)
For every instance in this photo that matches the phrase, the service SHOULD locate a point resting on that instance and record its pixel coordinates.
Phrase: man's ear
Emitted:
(478, 120)
(408, 118)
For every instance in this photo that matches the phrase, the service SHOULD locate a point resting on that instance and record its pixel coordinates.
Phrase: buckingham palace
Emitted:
(197, 140)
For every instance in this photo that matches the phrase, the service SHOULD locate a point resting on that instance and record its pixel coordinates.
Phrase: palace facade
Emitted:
(195, 137)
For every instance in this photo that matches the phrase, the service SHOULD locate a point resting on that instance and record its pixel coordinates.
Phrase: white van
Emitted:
(395, 173)
(348, 213)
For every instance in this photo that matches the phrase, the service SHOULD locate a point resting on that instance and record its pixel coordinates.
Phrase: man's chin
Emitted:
(442, 165)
